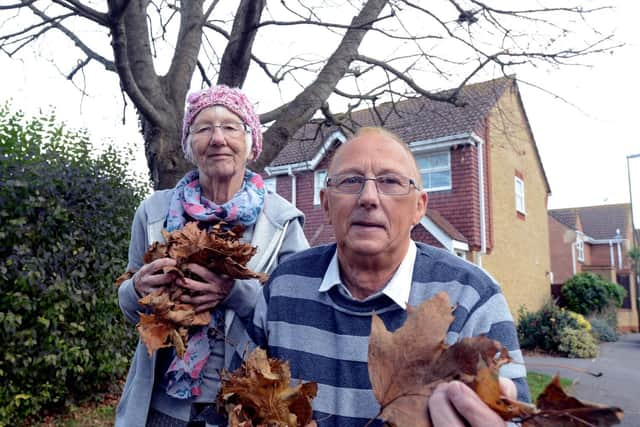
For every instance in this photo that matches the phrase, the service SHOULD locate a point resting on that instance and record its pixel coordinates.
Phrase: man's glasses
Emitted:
(389, 184)
(205, 131)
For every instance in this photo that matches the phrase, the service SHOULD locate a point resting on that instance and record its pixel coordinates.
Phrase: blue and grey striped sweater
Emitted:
(324, 336)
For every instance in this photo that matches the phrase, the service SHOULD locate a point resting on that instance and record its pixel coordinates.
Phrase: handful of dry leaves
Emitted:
(407, 365)
(258, 394)
(217, 249)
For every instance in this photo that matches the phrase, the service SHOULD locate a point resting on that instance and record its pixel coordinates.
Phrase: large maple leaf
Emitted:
(407, 365)
(218, 249)
(259, 394)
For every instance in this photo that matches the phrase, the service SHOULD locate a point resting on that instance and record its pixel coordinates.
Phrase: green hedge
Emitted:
(588, 293)
(65, 215)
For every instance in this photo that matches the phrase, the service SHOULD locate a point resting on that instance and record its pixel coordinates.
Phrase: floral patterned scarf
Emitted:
(243, 208)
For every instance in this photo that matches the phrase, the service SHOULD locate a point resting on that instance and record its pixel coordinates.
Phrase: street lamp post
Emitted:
(633, 227)
(634, 235)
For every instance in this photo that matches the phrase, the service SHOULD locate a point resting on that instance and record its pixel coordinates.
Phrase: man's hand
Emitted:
(208, 293)
(453, 403)
(146, 280)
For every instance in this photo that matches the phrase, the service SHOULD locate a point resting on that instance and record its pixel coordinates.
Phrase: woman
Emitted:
(221, 132)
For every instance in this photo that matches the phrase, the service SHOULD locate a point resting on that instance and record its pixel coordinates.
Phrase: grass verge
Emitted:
(537, 382)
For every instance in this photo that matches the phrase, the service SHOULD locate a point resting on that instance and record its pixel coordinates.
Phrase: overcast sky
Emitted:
(583, 146)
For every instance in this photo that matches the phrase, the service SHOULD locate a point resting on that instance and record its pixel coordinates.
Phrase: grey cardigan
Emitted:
(276, 234)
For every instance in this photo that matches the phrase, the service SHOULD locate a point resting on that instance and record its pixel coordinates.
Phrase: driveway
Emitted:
(619, 363)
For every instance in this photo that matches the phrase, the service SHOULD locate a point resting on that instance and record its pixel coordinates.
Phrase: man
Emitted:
(316, 310)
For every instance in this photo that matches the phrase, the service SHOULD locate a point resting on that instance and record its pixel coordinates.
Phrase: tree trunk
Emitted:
(236, 59)
(164, 155)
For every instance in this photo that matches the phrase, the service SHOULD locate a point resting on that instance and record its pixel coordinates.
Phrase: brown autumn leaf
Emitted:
(559, 409)
(407, 365)
(259, 394)
(218, 250)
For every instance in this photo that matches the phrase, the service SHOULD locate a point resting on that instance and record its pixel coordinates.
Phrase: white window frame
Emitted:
(270, 184)
(447, 168)
(318, 184)
(579, 246)
(520, 195)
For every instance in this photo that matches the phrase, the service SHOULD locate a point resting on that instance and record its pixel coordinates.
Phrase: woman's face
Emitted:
(219, 143)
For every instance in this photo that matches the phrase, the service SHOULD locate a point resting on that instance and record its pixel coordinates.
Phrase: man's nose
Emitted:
(369, 194)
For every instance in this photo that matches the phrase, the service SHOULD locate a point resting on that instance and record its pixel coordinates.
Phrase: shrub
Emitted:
(587, 293)
(542, 329)
(602, 330)
(65, 215)
(577, 343)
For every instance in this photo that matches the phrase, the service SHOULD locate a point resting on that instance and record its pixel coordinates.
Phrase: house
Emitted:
(596, 239)
(480, 166)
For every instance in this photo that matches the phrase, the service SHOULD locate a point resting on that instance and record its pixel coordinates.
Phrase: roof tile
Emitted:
(414, 119)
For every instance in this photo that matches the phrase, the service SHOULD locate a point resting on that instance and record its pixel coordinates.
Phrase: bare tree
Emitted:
(355, 52)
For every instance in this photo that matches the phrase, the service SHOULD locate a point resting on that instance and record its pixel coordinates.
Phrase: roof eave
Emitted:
(307, 165)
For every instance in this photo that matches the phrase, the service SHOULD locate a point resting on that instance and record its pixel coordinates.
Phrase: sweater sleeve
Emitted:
(496, 313)
(127, 295)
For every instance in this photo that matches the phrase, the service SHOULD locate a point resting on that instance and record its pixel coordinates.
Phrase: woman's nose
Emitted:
(217, 136)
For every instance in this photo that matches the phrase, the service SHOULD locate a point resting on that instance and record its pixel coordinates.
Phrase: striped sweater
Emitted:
(324, 335)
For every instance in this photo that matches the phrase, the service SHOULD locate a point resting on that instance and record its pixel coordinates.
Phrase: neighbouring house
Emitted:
(480, 166)
(596, 239)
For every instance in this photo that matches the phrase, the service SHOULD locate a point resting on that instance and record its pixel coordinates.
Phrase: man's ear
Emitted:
(324, 202)
(421, 206)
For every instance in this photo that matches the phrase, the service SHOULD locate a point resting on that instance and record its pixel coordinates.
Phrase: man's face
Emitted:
(370, 223)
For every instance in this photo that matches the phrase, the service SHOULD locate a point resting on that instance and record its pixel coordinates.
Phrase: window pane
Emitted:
(435, 169)
(440, 179)
(439, 160)
(270, 184)
(318, 184)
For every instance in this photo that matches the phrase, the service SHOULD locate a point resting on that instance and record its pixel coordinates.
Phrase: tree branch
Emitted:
(402, 76)
(92, 54)
(84, 11)
(237, 55)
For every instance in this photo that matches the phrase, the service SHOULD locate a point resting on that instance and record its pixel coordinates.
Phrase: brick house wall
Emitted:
(464, 192)
(560, 245)
(601, 256)
(461, 205)
(520, 259)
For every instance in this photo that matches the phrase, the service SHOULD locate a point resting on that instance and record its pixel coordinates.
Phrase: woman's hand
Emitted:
(146, 280)
(453, 401)
(208, 293)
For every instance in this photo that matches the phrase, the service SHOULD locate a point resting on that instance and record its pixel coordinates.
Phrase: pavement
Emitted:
(619, 384)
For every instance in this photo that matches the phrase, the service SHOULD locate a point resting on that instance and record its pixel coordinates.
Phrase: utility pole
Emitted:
(635, 236)
(633, 227)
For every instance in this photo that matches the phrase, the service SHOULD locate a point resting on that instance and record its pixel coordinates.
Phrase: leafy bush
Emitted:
(582, 321)
(542, 329)
(578, 343)
(65, 215)
(602, 330)
(587, 293)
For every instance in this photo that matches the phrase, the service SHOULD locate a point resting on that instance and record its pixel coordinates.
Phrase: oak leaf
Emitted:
(259, 394)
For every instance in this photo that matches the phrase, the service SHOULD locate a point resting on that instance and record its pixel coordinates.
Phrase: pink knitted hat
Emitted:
(231, 98)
